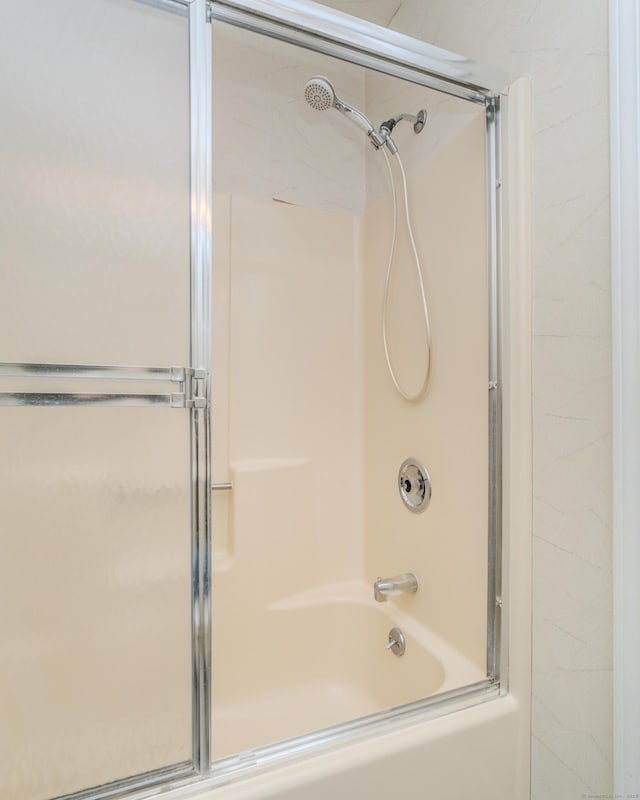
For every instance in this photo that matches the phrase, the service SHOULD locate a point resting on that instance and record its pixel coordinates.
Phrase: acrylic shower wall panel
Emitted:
(267, 141)
(446, 116)
(94, 597)
(295, 457)
(446, 546)
(294, 388)
(286, 297)
(94, 209)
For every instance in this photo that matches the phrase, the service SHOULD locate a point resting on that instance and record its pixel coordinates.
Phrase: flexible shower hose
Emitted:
(423, 296)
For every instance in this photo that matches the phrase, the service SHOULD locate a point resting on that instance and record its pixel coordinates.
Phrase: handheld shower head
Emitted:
(320, 94)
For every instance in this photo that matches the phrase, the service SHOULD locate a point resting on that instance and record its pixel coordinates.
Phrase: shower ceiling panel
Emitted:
(381, 12)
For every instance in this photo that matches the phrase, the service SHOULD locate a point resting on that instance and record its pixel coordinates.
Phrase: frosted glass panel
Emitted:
(94, 182)
(95, 664)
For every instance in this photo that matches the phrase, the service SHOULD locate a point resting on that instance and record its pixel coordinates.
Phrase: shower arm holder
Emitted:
(376, 139)
(417, 120)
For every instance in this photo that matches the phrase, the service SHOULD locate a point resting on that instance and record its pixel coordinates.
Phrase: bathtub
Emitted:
(335, 635)
(318, 659)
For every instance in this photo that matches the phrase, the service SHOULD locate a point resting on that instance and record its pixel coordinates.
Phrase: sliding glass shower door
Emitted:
(103, 396)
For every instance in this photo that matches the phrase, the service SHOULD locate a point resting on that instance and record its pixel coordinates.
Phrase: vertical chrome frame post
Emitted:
(200, 357)
(494, 275)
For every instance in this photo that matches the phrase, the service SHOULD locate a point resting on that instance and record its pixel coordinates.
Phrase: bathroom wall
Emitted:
(268, 142)
(563, 47)
(292, 388)
(287, 432)
(287, 374)
(307, 424)
(304, 404)
(447, 545)
(385, 97)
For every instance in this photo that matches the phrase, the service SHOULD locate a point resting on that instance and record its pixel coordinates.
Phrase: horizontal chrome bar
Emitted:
(165, 777)
(221, 487)
(360, 35)
(251, 763)
(368, 60)
(95, 372)
(175, 400)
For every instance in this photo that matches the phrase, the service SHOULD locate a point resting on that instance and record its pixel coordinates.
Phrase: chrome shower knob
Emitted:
(414, 484)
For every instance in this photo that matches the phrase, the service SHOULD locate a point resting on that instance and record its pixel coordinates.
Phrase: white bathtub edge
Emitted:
(431, 751)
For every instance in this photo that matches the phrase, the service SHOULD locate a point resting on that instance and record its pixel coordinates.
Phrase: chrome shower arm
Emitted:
(417, 120)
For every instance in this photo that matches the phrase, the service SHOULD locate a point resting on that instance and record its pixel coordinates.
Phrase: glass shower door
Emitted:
(314, 253)
(101, 476)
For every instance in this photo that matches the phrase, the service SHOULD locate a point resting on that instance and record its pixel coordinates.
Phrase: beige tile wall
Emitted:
(563, 47)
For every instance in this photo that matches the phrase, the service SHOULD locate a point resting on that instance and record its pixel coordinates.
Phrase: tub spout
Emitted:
(399, 584)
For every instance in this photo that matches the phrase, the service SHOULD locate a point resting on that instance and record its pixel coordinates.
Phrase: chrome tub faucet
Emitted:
(407, 583)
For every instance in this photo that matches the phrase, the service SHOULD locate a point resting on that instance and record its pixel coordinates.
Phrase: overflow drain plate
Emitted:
(414, 484)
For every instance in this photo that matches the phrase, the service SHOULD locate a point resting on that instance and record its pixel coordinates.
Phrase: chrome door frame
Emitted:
(200, 78)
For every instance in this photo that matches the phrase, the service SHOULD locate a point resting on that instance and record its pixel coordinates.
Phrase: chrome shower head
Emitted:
(319, 93)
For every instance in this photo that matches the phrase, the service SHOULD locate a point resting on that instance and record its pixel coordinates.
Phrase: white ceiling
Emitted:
(378, 11)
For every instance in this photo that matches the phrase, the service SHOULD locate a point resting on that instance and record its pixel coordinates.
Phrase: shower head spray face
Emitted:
(319, 93)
